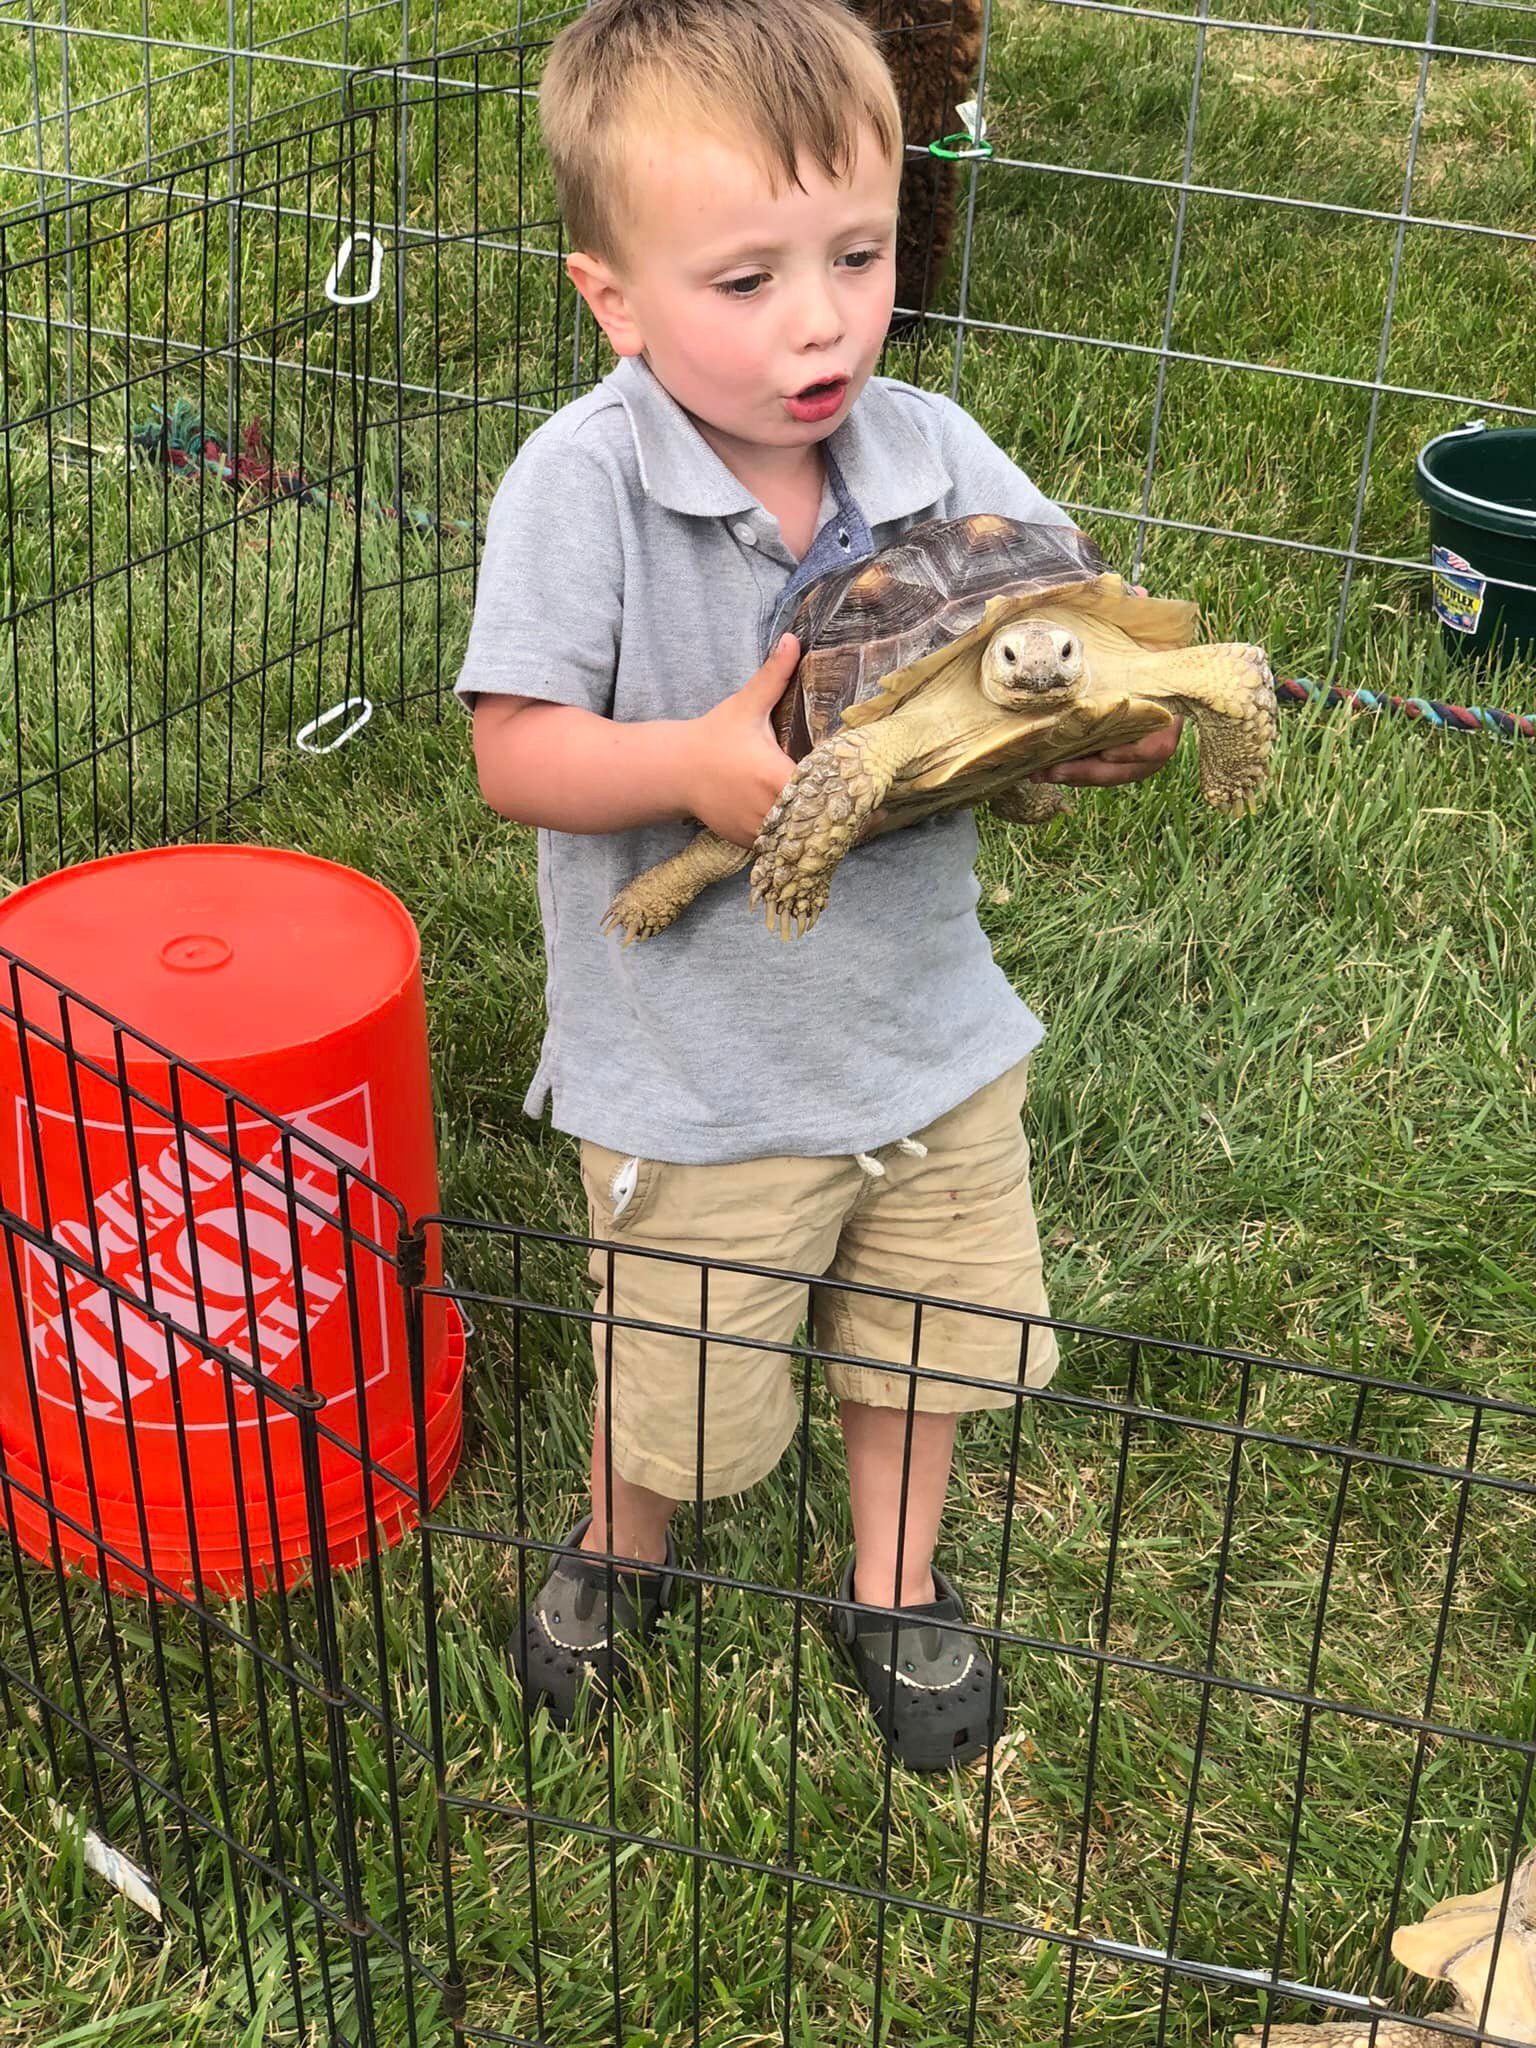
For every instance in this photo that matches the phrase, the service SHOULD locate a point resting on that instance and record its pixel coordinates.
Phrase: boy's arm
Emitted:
(572, 770)
(539, 670)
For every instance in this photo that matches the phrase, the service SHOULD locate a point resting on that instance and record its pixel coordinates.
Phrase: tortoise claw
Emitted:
(793, 918)
(633, 928)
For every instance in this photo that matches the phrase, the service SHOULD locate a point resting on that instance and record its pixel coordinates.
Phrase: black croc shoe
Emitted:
(562, 1638)
(942, 1708)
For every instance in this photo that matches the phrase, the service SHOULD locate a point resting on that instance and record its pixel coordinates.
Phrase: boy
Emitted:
(849, 1104)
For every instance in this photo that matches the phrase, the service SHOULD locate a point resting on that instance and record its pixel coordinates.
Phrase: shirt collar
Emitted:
(889, 467)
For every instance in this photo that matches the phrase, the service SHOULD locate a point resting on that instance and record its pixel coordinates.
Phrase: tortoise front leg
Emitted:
(1234, 712)
(826, 804)
(1229, 693)
(659, 895)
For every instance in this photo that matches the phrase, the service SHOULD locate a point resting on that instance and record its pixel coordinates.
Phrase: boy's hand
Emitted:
(1118, 764)
(734, 769)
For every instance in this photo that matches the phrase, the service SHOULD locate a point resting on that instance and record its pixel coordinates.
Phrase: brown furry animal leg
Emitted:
(933, 48)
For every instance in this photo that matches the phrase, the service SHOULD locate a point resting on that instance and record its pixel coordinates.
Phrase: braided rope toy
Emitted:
(178, 441)
(1504, 725)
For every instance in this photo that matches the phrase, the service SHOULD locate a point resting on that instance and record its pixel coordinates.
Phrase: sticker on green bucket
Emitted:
(1458, 590)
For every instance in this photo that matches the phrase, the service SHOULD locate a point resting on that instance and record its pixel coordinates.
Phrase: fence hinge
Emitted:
(411, 1257)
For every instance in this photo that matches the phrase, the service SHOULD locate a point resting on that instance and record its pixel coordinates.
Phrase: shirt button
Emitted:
(745, 535)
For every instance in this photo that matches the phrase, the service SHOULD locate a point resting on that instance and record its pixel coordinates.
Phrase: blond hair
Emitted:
(788, 78)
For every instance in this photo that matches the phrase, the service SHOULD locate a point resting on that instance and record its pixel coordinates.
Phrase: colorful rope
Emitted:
(1505, 725)
(179, 442)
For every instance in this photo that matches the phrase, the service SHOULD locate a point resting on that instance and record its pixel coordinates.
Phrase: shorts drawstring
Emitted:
(867, 1162)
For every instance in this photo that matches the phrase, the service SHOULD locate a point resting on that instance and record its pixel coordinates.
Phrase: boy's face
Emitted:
(742, 298)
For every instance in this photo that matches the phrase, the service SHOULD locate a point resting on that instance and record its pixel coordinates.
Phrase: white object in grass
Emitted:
(119, 1870)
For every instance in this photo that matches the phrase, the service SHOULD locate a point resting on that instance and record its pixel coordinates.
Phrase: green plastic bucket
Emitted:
(1480, 486)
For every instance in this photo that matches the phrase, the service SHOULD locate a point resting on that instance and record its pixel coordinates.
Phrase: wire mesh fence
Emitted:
(110, 95)
(170, 617)
(208, 1414)
(1260, 1626)
(1201, 1685)
(1216, 284)
(276, 310)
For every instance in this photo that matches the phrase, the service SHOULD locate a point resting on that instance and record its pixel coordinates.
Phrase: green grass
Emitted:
(1287, 1102)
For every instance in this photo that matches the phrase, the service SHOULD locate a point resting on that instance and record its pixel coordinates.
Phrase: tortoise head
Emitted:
(1028, 661)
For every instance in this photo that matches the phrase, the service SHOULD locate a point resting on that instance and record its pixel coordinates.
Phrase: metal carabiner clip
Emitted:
(343, 259)
(357, 711)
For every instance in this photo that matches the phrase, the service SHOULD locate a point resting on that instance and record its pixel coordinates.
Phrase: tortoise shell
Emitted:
(864, 628)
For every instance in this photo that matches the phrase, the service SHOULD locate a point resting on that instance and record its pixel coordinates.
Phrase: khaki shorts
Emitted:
(958, 1223)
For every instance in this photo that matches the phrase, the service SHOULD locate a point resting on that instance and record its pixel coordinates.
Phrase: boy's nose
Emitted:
(819, 322)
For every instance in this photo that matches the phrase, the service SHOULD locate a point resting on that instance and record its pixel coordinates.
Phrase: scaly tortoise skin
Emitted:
(941, 673)
(1454, 1943)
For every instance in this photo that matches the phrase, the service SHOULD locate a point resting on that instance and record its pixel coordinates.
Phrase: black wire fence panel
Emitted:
(1255, 1625)
(179, 598)
(243, 486)
(1258, 1625)
(219, 1409)
(120, 92)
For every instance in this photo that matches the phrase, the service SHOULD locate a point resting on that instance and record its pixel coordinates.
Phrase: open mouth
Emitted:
(818, 401)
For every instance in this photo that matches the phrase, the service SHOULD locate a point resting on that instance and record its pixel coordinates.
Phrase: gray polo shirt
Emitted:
(627, 571)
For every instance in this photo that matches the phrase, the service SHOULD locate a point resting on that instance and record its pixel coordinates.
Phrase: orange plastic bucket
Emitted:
(198, 1232)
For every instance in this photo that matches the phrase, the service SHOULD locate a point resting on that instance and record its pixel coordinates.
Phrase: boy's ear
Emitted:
(605, 294)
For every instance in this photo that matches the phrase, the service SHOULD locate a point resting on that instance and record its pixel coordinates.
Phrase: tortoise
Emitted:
(940, 673)
(1453, 1943)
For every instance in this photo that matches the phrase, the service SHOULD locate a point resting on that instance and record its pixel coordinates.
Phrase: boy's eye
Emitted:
(857, 260)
